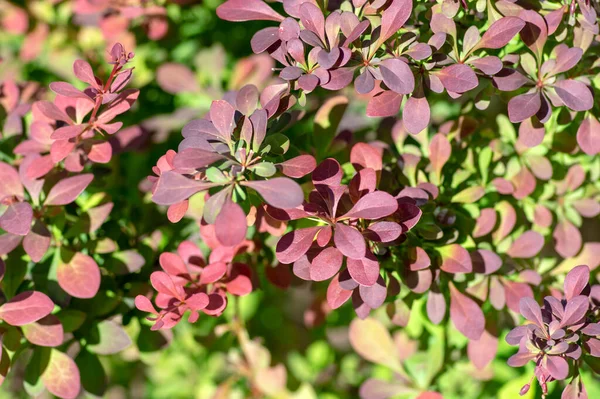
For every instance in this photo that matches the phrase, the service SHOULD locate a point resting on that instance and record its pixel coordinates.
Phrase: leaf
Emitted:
(93, 376)
(588, 135)
(501, 32)
(67, 190)
(530, 309)
(575, 310)
(568, 239)
(524, 106)
(11, 183)
(455, 259)
(67, 90)
(485, 222)
(535, 31)
(397, 76)
(83, 71)
(80, 276)
(326, 264)
(576, 280)
(17, 218)
(68, 132)
(336, 295)
(375, 205)
(47, 331)
(436, 306)
(366, 156)
(439, 152)
(61, 376)
(173, 188)
(556, 366)
(481, 352)
(176, 78)
(466, 315)
(386, 103)
(371, 340)
(326, 122)
(574, 94)
(349, 241)
(279, 192)
(528, 245)
(107, 337)
(416, 114)
(247, 10)
(374, 295)
(294, 244)
(393, 18)
(458, 78)
(299, 166)
(485, 261)
(230, 224)
(364, 271)
(469, 195)
(26, 307)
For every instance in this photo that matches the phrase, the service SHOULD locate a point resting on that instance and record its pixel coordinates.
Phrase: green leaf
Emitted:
(264, 169)
(276, 144)
(71, 319)
(215, 175)
(107, 338)
(93, 376)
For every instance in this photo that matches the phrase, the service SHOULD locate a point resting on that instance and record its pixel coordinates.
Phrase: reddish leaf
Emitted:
(386, 103)
(439, 152)
(556, 366)
(397, 75)
(349, 241)
(374, 205)
(80, 277)
(299, 166)
(455, 259)
(588, 135)
(575, 310)
(11, 183)
(364, 271)
(436, 307)
(524, 106)
(83, 71)
(336, 295)
(364, 155)
(485, 222)
(485, 261)
(466, 315)
(67, 190)
(247, 10)
(26, 307)
(326, 264)
(37, 241)
(393, 18)
(294, 244)
(374, 295)
(530, 309)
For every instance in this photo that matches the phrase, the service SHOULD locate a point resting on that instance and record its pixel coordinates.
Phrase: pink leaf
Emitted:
(349, 241)
(26, 308)
(458, 78)
(568, 239)
(528, 245)
(173, 188)
(294, 244)
(482, 351)
(67, 190)
(576, 280)
(299, 166)
(61, 376)
(247, 10)
(455, 259)
(501, 32)
(45, 332)
(80, 277)
(466, 315)
(230, 224)
(416, 114)
(336, 295)
(383, 104)
(279, 192)
(375, 205)
(364, 271)
(17, 218)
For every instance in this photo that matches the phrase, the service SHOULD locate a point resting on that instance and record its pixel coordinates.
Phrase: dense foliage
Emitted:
(368, 198)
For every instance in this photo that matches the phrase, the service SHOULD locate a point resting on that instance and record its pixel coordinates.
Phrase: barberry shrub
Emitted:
(417, 183)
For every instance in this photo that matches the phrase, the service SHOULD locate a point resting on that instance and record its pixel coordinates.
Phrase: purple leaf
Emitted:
(458, 78)
(397, 75)
(535, 31)
(436, 306)
(247, 10)
(575, 310)
(26, 307)
(374, 295)
(530, 309)
(588, 135)
(67, 90)
(531, 133)
(524, 106)
(485, 261)
(67, 190)
(466, 315)
(263, 39)
(556, 366)
(416, 114)
(489, 65)
(17, 218)
(222, 116)
(11, 183)
(37, 241)
(196, 158)
(230, 224)
(279, 192)
(83, 71)
(173, 188)
(482, 351)
(576, 280)
(501, 32)
(528, 245)
(68, 132)
(574, 94)
(393, 18)
(383, 231)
